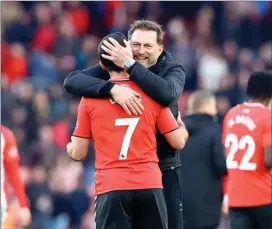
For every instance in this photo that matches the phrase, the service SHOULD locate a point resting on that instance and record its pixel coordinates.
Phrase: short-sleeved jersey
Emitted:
(10, 169)
(246, 132)
(125, 146)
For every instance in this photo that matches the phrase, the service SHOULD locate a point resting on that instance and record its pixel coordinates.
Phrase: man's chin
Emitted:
(143, 62)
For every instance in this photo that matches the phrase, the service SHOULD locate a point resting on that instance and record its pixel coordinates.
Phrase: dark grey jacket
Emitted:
(203, 167)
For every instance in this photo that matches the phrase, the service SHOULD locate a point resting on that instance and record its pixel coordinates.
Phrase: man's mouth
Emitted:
(140, 58)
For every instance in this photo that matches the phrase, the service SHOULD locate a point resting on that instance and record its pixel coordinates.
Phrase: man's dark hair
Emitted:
(119, 37)
(146, 25)
(259, 85)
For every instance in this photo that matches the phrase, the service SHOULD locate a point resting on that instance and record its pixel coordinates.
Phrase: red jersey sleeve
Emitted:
(83, 125)
(11, 163)
(11, 149)
(267, 136)
(166, 121)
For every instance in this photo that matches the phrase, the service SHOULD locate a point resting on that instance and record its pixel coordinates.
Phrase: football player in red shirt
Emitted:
(247, 139)
(128, 182)
(10, 174)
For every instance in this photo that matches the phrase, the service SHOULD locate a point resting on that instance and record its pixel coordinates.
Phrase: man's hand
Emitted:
(69, 149)
(225, 206)
(179, 121)
(117, 53)
(181, 124)
(24, 217)
(128, 99)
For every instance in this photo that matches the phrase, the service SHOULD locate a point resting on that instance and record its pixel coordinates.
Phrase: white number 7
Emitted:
(131, 123)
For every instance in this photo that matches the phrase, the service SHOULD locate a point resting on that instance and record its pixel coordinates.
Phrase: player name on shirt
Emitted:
(242, 119)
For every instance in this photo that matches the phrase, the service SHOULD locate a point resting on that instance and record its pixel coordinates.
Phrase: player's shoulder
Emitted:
(255, 112)
(246, 107)
(144, 97)
(257, 109)
(128, 83)
(89, 102)
(265, 110)
(266, 115)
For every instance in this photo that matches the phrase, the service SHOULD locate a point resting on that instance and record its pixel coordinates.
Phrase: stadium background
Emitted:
(41, 42)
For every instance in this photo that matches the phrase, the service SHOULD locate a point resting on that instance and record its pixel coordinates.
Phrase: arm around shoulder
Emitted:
(89, 82)
(164, 88)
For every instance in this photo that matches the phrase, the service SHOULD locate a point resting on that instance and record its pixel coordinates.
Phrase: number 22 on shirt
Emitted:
(247, 145)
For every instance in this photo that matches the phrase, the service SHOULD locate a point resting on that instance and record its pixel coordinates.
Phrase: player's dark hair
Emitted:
(119, 37)
(259, 85)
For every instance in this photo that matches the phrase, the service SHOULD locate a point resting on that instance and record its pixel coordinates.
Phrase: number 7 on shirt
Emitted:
(131, 123)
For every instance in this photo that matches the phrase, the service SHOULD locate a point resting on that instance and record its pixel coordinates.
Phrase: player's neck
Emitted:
(261, 101)
(119, 75)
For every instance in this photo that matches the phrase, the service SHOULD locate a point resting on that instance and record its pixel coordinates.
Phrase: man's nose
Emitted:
(141, 50)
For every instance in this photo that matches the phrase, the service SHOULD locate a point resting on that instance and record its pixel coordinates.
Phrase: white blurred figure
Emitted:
(10, 175)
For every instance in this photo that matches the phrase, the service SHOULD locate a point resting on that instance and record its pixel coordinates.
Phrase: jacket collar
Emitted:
(161, 61)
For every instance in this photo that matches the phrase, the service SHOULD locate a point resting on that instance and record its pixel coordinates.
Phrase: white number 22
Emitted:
(234, 144)
(131, 123)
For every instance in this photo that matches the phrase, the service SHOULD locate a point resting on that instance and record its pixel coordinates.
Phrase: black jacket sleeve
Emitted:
(90, 82)
(165, 88)
(218, 155)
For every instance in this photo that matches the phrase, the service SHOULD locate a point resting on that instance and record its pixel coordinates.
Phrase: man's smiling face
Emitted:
(145, 47)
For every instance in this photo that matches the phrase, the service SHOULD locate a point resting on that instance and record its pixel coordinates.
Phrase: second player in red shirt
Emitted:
(248, 140)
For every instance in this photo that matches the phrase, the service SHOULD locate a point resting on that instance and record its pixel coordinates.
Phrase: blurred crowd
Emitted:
(42, 42)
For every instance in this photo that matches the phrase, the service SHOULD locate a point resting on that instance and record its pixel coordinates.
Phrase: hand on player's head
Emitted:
(128, 99)
(114, 51)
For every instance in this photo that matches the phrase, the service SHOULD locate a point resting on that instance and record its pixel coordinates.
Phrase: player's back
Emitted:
(125, 145)
(246, 132)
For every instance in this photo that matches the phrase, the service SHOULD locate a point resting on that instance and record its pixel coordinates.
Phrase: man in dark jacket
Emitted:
(159, 77)
(203, 164)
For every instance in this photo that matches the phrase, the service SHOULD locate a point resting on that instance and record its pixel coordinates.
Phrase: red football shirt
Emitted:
(10, 173)
(246, 132)
(125, 146)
